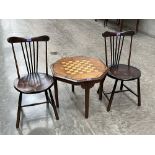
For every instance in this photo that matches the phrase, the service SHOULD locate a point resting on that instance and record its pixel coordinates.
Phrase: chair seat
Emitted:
(124, 72)
(33, 83)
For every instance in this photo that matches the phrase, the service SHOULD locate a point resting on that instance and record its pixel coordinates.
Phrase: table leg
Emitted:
(87, 87)
(87, 90)
(72, 88)
(56, 92)
(100, 90)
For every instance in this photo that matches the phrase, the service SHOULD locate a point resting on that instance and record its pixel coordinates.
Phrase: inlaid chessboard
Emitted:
(79, 68)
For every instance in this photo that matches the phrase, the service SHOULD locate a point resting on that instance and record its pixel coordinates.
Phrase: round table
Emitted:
(79, 70)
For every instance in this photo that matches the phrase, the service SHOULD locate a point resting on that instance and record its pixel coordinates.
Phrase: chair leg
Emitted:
(53, 105)
(121, 86)
(46, 94)
(100, 89)
(56, 92)
(19, 109)
(72, 88)
(112, 95)
(138, 92)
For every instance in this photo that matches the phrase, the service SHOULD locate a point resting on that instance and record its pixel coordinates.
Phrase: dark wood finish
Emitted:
(34, 81)
(87, 86)
(114, 42)
(138, 91)
(112, 95)
(100, 90)
(47, 99)
(19, 110)
(87, 90)
(53, 104)
(72, 88)
(121, 86)
(124, 72)
(79, 70)
(56, 92)
(33, 104)
(128, 89)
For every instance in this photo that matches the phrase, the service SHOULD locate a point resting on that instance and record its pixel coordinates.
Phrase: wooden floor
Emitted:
(69, 38)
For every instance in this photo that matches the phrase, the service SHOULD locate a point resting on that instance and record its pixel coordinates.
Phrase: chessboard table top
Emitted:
(79, 68)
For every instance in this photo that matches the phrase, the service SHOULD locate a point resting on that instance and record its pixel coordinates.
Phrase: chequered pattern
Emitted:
(78, 67)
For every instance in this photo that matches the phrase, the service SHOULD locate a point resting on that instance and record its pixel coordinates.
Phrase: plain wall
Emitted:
(146, 26)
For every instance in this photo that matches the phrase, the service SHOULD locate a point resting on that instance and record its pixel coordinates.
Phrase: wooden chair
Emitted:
(114, 42)
(104, 20)
(33, 82)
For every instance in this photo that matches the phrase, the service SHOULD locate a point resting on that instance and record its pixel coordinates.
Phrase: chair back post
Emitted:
(37, 57)
(46, 59)
(130, 51)
(16, 63)
(105, 43)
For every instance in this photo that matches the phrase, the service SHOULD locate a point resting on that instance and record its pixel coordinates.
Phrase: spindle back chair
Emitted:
(114, 43)
(34, 81)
